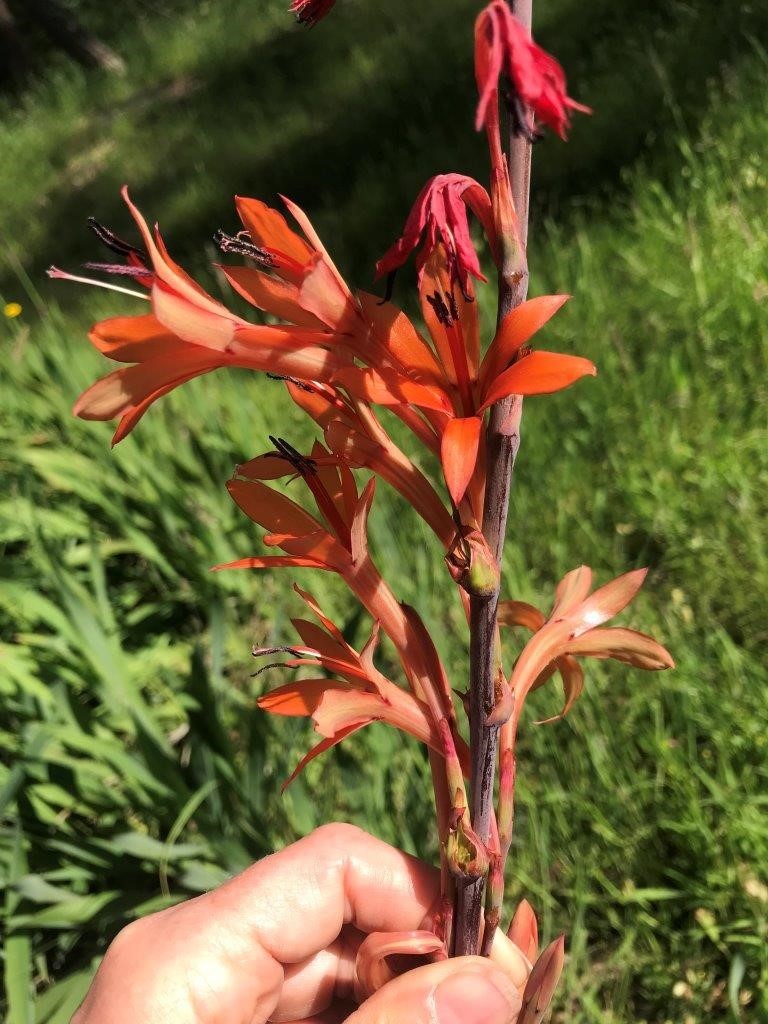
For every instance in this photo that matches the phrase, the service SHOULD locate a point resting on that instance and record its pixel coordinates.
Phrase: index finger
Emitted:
(295, 902)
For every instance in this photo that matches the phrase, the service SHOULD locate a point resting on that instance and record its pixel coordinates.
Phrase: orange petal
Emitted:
(625, 645)
(388, 388)
(520, 613)
(540, 373)
(517, 328)
(324, 294)
(299, 699)
(122, 391)
(326, 744)
(572, 675)
(269, 229)
(400, 338)
(272, 562)
(608, 600)
(270, 294)
(271, 509)
(458, 453)
(131, 339)
(571, 590)
(359, 528)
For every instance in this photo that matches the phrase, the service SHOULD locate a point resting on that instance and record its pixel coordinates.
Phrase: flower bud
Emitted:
(472, 565)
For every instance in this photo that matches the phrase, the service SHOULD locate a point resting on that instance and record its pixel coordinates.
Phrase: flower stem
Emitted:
(502, 443)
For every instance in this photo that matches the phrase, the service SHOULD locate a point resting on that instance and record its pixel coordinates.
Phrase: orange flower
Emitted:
(507, 368)
(356, 695)
(572, 631)
(189, 334)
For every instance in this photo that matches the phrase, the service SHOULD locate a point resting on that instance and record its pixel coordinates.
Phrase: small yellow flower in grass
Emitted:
(12, 310)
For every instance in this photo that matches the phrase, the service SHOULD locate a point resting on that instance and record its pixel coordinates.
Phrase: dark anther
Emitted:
(390, 287)
(241, 245)
(453, 306)
(113, 243)
(519, 117)
(301, 384)
(443, 313)
(300, 462)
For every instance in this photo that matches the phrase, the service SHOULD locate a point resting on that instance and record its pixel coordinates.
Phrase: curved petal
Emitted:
(540, 373)
(608, 600)
(132, 339)
(271, 509)
(516, 329)
(388, 388)
(520, 613)
(572, 590)
(124, 390)
(273, 562)
(400, 338)
(320, 748)
(270, 294)
(627, 645)
(299, 699)
(458, 453)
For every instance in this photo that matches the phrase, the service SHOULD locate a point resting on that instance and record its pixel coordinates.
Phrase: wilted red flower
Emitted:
(309, 12)
(503, 46)
(440, 214)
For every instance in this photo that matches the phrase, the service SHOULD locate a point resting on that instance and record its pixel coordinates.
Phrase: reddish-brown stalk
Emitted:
(502, 442)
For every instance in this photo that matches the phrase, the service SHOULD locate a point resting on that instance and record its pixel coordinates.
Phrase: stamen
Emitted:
(62, 275)
(241, 245)
(390, 287)
(301, 384)
(442, 311)
(302, 464)
(518, 114)
(325, 503)
(111, 241)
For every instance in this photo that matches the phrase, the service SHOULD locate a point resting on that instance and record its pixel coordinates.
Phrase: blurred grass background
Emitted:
(134, 767)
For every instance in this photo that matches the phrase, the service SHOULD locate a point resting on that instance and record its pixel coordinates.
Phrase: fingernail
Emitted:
(472, 998)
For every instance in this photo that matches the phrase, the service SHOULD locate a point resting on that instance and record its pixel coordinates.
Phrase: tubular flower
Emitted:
(355, 695)
(309, 12)
(354, 436)
(508, 368)
(336, 540)
(537, 87)
(440, 214)
(573, 631)
(294, 277)
(188, 334)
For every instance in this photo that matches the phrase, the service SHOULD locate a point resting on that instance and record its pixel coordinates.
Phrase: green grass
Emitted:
(134, 769)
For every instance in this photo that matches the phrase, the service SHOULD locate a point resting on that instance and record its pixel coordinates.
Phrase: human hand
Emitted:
(278, 943)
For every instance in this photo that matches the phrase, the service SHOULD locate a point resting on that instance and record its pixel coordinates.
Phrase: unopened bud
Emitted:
(503, 701)
(471, 563)
(466, 855)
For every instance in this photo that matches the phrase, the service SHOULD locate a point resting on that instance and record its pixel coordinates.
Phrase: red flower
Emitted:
(309, 12)
(440, 213)
(503, 46)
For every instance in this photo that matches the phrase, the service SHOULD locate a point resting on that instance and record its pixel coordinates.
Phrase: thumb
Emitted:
(465, 990)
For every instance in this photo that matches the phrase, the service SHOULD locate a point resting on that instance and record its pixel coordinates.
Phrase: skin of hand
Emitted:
(278, 943)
